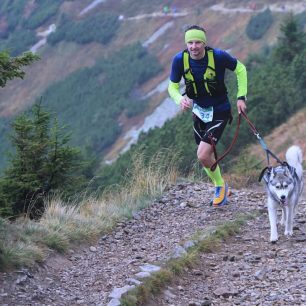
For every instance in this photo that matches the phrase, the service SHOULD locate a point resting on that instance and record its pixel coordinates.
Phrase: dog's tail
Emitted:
(294, 157)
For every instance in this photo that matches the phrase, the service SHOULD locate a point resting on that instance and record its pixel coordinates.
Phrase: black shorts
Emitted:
(211, 130)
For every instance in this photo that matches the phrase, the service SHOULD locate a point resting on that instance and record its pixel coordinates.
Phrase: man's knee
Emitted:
(204, 158)
(204, 154)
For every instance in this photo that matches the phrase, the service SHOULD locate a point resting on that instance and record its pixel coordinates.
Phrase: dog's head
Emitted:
(280, 182)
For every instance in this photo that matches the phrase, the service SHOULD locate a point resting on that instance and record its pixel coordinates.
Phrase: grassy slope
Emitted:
(292, 132)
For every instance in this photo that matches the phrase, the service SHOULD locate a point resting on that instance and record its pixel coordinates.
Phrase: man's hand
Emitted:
(185, 103)
(241, 106)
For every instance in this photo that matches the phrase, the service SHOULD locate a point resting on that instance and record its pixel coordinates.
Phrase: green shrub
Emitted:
(12, 10)
(301, 20)
(19, 41)
(99, 28)
(259, 24)
(43, 12)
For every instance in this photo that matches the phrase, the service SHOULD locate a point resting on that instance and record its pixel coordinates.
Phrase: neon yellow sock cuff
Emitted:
(215, 176)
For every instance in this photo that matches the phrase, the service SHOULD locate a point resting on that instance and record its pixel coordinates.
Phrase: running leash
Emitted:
(255, 132)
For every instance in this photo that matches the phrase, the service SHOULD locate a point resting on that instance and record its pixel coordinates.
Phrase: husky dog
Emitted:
(284, 184)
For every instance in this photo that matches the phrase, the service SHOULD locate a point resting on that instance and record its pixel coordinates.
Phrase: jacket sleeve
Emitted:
(242, 80)
(174, 92)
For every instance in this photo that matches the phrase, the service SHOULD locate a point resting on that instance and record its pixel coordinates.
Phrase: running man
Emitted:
(203, 69)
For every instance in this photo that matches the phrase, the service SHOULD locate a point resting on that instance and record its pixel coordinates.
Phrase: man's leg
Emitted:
(205, 156)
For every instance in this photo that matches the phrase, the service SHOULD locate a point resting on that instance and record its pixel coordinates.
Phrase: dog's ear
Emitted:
(289, 169)
(265, 174)
(272, 172)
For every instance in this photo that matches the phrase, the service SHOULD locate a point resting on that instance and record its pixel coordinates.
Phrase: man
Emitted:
(203, 70)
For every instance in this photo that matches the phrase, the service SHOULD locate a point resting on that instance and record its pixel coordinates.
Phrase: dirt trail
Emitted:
(247, 270)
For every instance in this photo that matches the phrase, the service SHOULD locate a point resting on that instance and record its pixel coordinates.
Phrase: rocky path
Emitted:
(247, 270)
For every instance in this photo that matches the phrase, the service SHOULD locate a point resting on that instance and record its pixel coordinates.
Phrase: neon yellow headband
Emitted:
(195, 34)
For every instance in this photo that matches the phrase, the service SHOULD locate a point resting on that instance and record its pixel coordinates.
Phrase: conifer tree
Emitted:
(43, 162)
(11, 67)
(291, 42)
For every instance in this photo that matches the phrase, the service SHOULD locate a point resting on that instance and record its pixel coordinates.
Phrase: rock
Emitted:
(300, 239)
(183, 204)
(93, 249)
(189, 244)
(149, 268)
(225, 292)
(21, 280)
(114, 302)
(179, 251)
(194, 304)
(134, 281)
(143, 275)
(169, 295)
(118, 292)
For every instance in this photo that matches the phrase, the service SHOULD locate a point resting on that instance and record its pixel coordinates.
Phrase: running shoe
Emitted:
(220, 197)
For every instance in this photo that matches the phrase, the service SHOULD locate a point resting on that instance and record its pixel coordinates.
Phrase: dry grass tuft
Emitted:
(65, 224)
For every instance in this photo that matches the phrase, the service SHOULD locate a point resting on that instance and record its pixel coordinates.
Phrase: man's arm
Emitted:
(242, 83)
(174, 92)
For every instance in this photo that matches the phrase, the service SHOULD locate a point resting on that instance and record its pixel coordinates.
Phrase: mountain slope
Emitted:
(140, 21)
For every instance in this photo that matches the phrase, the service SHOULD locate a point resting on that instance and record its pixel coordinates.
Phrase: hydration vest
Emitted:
(212, 85)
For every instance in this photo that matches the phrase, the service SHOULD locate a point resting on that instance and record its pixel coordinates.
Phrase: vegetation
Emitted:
(11, 67)
(56, 166)
(13, 10)
(64, 224)
(301, 20)
(44, 10)
(132, 7)
(259, 24)
(90, 100)
(19, 41)
(18, 35)
(100, 28)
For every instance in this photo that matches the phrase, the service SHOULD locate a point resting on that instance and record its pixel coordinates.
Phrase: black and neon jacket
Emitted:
(198, 75)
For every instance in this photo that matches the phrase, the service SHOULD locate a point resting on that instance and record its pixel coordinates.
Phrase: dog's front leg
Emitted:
(283, 219)
(289, 220)
(272, 211)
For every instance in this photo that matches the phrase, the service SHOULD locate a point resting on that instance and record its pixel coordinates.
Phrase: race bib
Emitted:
(204, 113)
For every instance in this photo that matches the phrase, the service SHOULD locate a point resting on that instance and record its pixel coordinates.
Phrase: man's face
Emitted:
(196, 49)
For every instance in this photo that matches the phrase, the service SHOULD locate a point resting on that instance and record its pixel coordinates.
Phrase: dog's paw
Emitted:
(273, 239)
(288, 233)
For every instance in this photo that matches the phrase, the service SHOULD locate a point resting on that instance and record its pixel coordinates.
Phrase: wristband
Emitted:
(244, 98)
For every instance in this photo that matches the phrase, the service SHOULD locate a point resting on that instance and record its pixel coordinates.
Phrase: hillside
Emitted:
(139, 22)
(292, 132)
